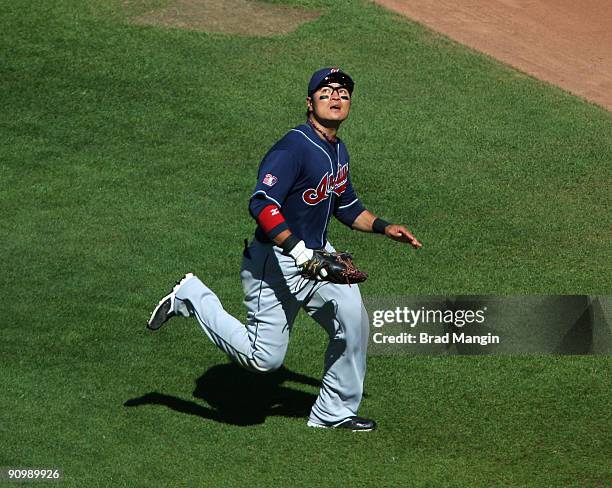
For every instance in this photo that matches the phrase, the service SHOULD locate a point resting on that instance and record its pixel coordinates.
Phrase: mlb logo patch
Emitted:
(269, 180)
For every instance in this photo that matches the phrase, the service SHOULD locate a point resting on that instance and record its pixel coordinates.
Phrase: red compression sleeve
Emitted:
(270, 217)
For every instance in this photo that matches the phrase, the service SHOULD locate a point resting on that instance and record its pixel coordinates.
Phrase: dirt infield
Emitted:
(565, 42)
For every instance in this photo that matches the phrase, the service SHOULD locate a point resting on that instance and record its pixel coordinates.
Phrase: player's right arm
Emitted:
(278, 172)
(270, 219)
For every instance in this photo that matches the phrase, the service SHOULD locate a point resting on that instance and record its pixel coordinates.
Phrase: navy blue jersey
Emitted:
(308, 178)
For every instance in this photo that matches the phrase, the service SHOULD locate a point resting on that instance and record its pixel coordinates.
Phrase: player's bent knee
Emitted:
(266, 364)
(264, 368)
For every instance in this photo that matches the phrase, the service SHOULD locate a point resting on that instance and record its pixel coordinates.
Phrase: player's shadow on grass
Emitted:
(239, 397)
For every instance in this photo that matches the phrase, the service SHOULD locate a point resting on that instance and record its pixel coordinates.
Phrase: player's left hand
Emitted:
(401, 234)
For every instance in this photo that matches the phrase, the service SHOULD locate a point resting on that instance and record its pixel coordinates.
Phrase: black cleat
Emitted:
(165, 308)
(356, 424)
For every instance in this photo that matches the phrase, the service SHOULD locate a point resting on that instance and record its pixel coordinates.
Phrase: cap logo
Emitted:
(334, 70)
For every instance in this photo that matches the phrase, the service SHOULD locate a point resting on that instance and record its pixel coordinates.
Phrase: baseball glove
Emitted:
(335, 267)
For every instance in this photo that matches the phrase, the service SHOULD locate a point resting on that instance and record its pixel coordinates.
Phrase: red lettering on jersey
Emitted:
(328, 184)
(341, 180)
(313, 196)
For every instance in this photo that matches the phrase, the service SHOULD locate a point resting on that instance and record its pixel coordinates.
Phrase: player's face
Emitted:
(330, 103)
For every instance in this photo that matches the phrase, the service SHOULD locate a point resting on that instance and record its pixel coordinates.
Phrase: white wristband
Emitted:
(300, 253)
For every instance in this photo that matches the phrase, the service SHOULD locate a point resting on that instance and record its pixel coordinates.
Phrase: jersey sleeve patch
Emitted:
(269, 180)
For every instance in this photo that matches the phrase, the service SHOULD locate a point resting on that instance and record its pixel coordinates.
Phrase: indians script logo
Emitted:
(328, 184)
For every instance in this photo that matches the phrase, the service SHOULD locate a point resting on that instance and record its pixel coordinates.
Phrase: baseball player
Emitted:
(303, 180)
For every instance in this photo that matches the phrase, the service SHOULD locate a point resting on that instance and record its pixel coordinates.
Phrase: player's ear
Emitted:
(309, 104)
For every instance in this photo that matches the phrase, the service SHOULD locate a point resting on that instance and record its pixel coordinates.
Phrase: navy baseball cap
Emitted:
(329, 75)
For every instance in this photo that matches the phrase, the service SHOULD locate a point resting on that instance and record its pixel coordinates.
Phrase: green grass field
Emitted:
(128, 155)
